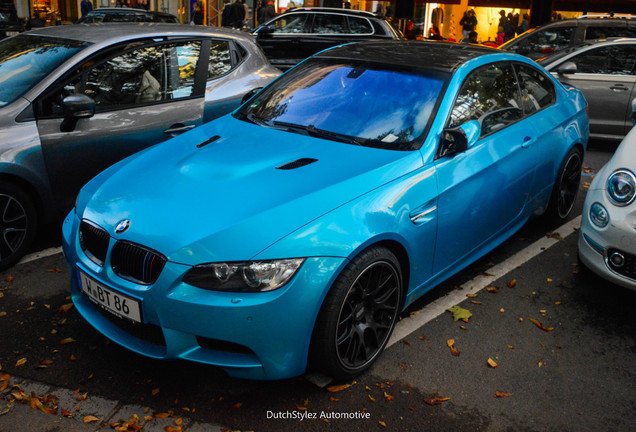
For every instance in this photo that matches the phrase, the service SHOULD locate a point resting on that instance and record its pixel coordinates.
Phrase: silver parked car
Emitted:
(76, 99)
(605, 71)
(607, 239)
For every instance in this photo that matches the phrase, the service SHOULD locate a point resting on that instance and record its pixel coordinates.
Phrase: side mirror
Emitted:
(634, 112)
(263, 31)
(247, 96)
(567, 68)
(459, 139)
(77, 106)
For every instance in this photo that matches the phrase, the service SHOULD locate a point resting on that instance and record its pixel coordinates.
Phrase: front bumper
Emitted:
(596, 245)
(249, 335)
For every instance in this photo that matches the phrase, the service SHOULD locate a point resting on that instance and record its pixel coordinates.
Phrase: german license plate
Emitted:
(113, 301)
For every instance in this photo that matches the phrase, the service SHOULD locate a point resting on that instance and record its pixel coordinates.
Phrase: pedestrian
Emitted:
(197, 14)
(266, 12)
(409, 31)
(505, 24)
(246, 9)
(525, 24)
(471, 38)
(35, 22)
(501, 36)
(86, 7)
(468, 22)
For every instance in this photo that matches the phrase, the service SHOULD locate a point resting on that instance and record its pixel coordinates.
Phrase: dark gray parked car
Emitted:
(605, 71)
(76, 99)
(302, 32)
(107, 15)
(559, 35)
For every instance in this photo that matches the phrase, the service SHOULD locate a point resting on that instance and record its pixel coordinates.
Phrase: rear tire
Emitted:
(18, 224)
(566, 187)
(358, 315)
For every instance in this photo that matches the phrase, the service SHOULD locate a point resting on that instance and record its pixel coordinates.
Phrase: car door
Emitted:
(542, 42)
(606, 77)
(143, 95)
(281, 39)
(483, 191)
(327, 30)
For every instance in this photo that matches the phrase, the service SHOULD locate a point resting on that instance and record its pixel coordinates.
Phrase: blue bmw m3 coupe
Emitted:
(291, 233)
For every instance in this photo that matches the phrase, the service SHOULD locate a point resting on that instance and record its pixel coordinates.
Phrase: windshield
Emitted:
(363, 104)
(25, 60)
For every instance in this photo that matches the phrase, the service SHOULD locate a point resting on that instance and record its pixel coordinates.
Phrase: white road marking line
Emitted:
(41, 254)
(408, 325)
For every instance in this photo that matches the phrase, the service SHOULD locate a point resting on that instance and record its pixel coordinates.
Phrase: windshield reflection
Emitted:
(25, 60)
(358, 103)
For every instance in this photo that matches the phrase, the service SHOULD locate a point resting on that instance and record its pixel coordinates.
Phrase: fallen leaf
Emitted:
(179, 421)
(538, 324)
(500, 394)
(463, 327)
(72, 358)
(4, 381)
(476, 302)
(371, 398)
(554, 235)
(21, 362)
(9, 279)
(67, 414)
(492, 363)
(67, 341)
(382, 423)
(422, 338)
(492, 289)
(549, 280)
(3, 313)
(406, 343)
(540, 363)
(162, 415)
(451, 345)
(403, 365)
(46, 362)
(436, 400)
(471, 295)
(333, 399)
(512, 283)
(240, 404)
(55, 270)
(388, 396)
(502, 310)
(338, 388)
(82, 397)
(65, 308)
(90, 419)
(459, 313)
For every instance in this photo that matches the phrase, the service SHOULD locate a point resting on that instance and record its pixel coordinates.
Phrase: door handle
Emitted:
(618, 87)
(527, 142)
(178, 128)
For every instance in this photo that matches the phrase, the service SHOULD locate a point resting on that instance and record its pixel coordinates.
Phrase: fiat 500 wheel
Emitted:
(358, 315)
(17, 224)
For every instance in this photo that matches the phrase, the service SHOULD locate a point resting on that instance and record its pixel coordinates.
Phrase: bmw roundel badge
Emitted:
(122, 226)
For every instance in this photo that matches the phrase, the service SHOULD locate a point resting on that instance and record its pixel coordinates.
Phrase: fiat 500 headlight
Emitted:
(246, 276)
(621, 187)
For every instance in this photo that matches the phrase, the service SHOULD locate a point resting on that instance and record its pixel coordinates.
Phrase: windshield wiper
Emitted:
(312, 130)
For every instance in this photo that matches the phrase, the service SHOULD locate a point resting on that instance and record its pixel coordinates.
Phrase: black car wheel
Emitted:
(358, 315)
(17, 224)
(566, 187)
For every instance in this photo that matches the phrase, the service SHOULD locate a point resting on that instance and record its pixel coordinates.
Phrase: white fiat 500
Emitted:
(607, 240)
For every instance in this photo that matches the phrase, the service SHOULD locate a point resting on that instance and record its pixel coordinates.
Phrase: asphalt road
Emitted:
(579, 376)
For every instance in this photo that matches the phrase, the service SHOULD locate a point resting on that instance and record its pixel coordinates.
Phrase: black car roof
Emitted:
(332, 10)
(431, 55)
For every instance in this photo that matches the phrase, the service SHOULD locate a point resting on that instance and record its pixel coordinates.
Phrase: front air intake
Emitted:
(136, 263)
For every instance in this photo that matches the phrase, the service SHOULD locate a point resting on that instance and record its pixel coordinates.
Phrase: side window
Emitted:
(329, 24)
(139, 76)
(604, 32)
(289, 24)
(489, 95)
(360, 26)
(546, 41)
(220, 62)
(537, 90)
(612, 60)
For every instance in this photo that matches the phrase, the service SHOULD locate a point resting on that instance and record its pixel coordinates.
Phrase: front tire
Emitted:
(358, 315)
(566, 187)
(18, 223)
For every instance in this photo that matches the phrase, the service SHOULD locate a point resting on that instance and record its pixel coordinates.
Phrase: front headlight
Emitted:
(246, 276)
(621, 187)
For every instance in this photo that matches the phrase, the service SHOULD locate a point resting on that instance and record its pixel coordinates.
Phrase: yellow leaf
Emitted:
(388, 396)
(65, 308)
(82, 398)
(90, 419)
(371, 398)
(155, 392)
(178, 421)
(67, 414)
(3, 313)
(21, 362)
(549, 280)
(46, 362)
(451, 345)
(459, 313)
(538, 324)
(471, 295)
(512, 283)
(237, 405)
(436, 400)
(500, 394)
(9, 279)
(492, 363)
(4, 381)
(382, 423)
(162, 415)
(338, 388)
(67, 341)
(333, 399)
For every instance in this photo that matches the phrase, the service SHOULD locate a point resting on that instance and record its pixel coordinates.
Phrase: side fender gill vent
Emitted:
(208, 141)
(297, 164)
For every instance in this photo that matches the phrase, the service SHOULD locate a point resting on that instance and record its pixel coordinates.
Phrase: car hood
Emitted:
(226, 200)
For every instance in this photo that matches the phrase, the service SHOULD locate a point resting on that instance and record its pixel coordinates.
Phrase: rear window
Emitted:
(604, 32)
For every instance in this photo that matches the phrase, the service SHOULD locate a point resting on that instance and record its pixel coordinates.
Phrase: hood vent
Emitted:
(208, 141)
(297, 164)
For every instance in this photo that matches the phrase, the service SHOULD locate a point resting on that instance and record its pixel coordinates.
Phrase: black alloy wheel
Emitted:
(566, 187)
(17, 224)
(358, 315)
